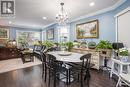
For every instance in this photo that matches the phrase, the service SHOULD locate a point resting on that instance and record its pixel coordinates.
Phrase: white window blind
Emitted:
(123, 26)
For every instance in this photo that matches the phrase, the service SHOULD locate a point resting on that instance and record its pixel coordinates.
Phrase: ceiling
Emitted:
(30, 12)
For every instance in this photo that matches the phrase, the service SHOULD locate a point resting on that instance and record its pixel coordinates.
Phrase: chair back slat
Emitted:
(39, 48)
(52, 62)
(43, 58)
(86, 60)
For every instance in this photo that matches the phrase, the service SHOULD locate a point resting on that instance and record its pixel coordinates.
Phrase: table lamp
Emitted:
(117, 46)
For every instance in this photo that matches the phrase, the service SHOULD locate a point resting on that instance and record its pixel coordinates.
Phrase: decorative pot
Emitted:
(124, 58)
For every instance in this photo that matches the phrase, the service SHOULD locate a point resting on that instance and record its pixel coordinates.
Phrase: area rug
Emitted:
(13, 64)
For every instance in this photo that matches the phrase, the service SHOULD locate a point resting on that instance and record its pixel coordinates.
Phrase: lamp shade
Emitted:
(117, 45)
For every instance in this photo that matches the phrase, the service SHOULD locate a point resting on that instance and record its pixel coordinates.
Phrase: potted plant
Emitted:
(48, 44)
(105, 48)
(69, 45)
(124, 54)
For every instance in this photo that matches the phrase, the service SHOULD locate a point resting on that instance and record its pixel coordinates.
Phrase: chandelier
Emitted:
(62, 16)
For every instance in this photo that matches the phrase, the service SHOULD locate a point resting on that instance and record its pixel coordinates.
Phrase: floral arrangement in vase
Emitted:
(124, 54)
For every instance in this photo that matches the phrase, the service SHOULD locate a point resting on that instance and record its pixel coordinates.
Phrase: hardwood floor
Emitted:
(32, 77)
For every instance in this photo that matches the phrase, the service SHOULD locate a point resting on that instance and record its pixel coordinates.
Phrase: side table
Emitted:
(27, 56)
(120, 69)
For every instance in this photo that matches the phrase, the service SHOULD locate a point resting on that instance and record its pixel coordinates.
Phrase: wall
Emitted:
(55, 32)
(14, 29)
(106, 25)
(107, 29)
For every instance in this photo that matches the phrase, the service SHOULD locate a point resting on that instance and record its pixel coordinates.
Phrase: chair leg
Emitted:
(119, 80)
(81, 83)
(45, 73)
(87, 75)
(67, 77)
(54, 78)
(78, 77)
(88, 81)
(42, 69)
(49, 78)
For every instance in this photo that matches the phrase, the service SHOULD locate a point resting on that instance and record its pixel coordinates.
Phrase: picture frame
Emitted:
(88, 30)
(4, 32)
(50, 34)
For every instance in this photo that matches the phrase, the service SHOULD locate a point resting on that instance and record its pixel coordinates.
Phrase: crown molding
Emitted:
(28, 27)
(122, 12)
(101, 11)
(48, 25)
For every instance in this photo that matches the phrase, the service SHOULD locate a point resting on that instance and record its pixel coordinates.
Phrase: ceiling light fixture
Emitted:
(10, 22)
(62, 16)
(92, 4)
(44, 18)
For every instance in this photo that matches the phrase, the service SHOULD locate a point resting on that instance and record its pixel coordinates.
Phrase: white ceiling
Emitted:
(30, 12)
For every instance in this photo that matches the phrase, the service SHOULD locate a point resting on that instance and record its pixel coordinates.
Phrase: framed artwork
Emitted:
(50, 34)
(87, 30)
(4, 32)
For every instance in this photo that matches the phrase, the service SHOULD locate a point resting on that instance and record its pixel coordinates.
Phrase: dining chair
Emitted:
(82, 69)
(55, 69)
(38, 50)
(44, 71)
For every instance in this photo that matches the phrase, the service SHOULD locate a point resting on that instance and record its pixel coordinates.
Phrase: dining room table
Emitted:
(66, 56)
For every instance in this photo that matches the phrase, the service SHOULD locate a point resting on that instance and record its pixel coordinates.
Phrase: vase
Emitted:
(124, 58)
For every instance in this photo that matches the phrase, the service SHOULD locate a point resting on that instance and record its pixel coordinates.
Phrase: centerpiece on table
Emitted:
(124, 55)
(69, 46)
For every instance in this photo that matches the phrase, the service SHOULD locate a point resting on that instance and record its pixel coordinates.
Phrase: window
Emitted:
(27, 37)
(63, 34)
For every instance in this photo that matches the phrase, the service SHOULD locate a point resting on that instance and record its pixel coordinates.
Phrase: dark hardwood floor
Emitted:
(32, 77)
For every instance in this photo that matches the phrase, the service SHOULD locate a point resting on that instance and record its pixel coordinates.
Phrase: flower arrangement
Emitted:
(123, 52)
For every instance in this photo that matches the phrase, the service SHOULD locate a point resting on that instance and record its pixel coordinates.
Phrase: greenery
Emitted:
(123, 52)
(76, 44)
(69, 45)
(48, 44)
(23, 42)
(104, 44)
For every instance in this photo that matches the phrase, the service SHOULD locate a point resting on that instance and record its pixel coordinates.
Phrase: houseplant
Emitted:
(104, 44)
(105, 48)
(69, 45)
(48, 44)
(124, 54)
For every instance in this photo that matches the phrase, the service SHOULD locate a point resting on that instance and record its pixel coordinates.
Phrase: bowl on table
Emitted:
(64, 53)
